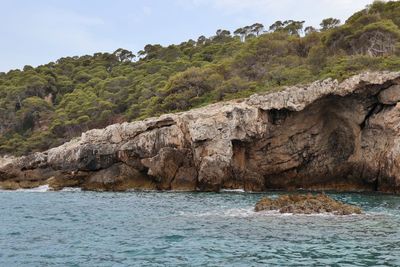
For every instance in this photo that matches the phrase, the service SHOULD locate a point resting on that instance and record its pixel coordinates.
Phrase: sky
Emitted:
(35, 32)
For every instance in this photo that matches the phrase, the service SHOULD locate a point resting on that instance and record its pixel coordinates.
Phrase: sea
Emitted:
(40, 227)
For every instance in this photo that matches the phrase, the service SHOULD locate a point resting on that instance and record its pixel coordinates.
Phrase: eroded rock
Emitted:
(390, 96)
(306, 204)
(323, 136)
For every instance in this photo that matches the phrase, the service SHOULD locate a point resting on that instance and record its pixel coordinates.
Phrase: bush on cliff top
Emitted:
(48, 105)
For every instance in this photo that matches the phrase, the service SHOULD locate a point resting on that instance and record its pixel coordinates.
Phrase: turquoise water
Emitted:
(190, 229)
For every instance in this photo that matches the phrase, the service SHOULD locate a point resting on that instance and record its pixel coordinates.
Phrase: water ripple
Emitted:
(74, 228)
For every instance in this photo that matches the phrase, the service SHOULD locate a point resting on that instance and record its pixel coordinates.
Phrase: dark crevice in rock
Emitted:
(278, 116)
(161, 124)
(376, 108)
(239, 161)
(377, 183)
(341, 144)
(97, 162)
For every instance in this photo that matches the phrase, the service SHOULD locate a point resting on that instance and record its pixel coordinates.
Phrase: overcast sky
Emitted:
(35, 32)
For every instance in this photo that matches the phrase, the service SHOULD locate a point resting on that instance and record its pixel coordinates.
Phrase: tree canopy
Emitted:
(45, 106)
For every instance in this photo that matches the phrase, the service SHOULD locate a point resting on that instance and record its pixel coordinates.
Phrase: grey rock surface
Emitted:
(326, 135)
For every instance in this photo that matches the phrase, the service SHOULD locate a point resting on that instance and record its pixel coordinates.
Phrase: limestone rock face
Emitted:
(390, 96)
(326, 135)
(5, 161)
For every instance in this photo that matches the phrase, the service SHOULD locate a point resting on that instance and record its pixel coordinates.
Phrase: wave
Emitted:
(71, 189)
(42, 188)
(232, 191)
(249, 212)
(236, 212)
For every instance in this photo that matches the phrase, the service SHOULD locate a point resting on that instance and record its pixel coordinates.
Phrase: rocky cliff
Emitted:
(326, 135)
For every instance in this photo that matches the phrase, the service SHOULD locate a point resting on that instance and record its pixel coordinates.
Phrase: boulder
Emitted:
(390, 96)
(306, 204)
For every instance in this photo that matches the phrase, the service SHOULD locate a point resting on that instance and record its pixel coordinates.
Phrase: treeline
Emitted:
(48, 105)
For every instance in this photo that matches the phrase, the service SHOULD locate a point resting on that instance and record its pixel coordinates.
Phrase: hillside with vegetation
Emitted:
(45, 106)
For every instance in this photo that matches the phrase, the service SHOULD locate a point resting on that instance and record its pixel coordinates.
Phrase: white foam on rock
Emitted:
(232, 191)
(42, 188)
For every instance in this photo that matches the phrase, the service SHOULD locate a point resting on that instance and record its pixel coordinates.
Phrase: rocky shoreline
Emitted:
(323, 136)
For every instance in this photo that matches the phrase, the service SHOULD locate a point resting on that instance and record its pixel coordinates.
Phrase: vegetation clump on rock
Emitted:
(306, 204)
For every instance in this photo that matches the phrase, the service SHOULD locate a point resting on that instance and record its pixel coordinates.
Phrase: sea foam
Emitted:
(42, 188)
(232, 191)
(71, 189)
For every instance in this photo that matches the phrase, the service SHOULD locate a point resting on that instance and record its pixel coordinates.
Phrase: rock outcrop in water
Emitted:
(326, 135)
(306, 204)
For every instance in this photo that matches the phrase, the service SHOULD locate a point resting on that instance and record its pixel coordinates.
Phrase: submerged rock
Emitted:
(322, 136)
(306, 204)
